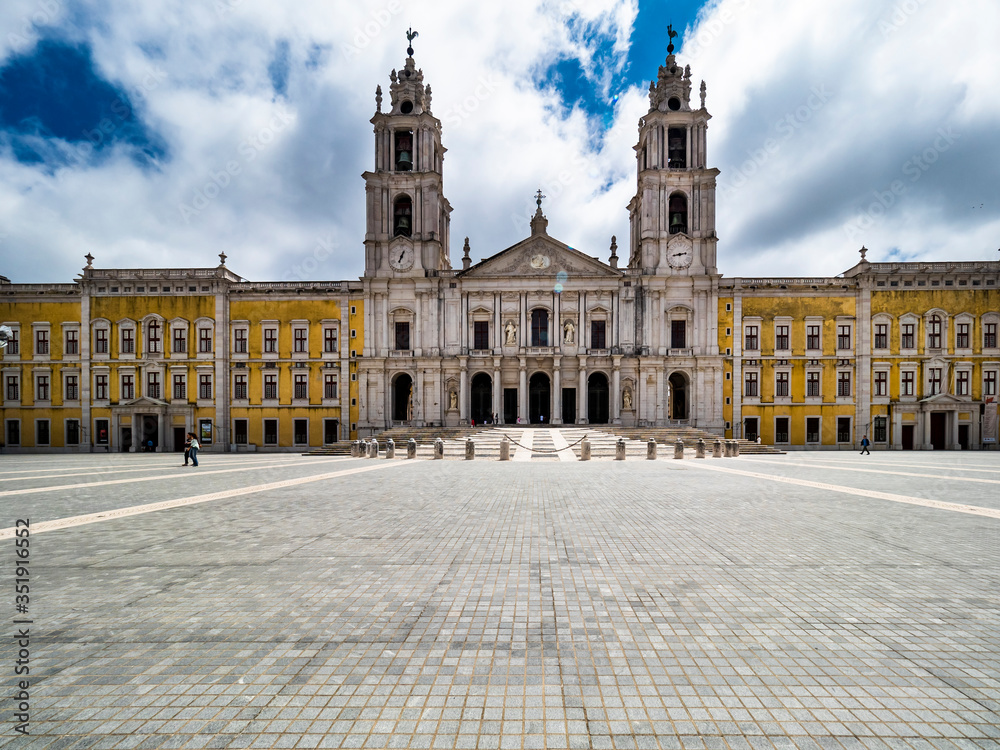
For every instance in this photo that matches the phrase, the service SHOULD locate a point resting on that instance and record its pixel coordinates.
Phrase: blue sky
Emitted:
(161, 133)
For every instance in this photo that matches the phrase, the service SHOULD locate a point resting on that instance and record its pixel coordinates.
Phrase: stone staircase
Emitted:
(668, 436)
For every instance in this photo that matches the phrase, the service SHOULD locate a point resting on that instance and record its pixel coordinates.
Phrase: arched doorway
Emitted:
(539, 399)
(678, 396)
(402, 398)
(482, 398)
(598, 410)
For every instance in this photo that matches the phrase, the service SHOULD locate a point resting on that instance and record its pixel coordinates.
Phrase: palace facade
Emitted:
(540, 332)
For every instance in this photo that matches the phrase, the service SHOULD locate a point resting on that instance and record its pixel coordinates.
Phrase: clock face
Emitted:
(540, 261)
(401, 257)
(680, 253)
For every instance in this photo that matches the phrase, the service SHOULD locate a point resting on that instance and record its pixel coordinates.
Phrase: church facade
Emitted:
(540, 332)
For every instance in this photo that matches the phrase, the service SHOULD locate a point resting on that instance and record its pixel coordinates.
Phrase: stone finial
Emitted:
(90, 260)
(538, 222)
(222, 259)
(427, 98)
(863, 251)
(614, 251)
(378, 98)
(466, 258)
(703, 90)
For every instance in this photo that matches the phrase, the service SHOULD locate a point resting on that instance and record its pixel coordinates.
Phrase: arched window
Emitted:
(678, 214)
(402, 217)
(539, 327)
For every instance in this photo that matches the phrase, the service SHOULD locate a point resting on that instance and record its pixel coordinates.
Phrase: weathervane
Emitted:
(670, 36)
(410, 36)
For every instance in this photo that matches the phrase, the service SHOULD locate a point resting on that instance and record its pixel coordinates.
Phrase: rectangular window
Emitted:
(598, 338)
(41, 342)
(72, 387)
(330, 340)
(101, 387)
(128, 387)
(752, 341)
(751, 384)
(843, 337)
(128, 341)
(402, 336)
(843, 384)
(990, 336)
(907, 336)
(300, 341)
(962, 383)
(42, 432)
(781, 429)
(13, 388)
(72, 342)
(153, 385)
(101, 432)
(812, 338)
(481, 334)
(781, 384)
(539, 327)
(906, 384)
(240, 431)
(180, 345)
(843, 429)
(154, 337)
(14, 343)
(42, 388)
(270, 340)
(879, 430)
(881, 335)
(72, 432)
(812, 429)
(934, 381)
(240, 341)
(934, 333)
(962, 336)
(180, 386)
(205, 386)
(330, 386)
(271, 387)
(240, 387)
(881, 383)
(270, 432)
(812, 384)
(300, 431)
(13, 432)
(204, 340)
(301, 386)
(990, 383)
(678, 334)
(781, 339)
(100, 341)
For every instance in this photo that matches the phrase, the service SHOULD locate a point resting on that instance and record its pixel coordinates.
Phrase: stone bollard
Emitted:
(679, 448)
(585, 450)
(620, 450)
(354, 449)
(411, 448)
(505, 449)
(717, 448)
(373, 448)
(470, 450)
(699, 448)
(438, 448)
(736, 448)
(651, 450)
(729, 449)
(390, 448)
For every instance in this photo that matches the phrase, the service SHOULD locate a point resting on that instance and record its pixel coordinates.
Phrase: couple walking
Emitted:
(191, 446)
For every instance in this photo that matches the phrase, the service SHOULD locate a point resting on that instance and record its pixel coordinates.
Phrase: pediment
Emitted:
(944, 399)
(145, 401)
(540, 256)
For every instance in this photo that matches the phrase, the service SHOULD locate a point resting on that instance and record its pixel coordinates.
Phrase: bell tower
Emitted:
(408, 217)
(672, 216)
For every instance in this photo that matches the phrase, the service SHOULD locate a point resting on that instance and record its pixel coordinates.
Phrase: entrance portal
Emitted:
(179, 440)
(150, 440)
(678, 396)
(539, 399)
(906, 437)
(510, 406)
(126, 441)
(939, 423)
(597, 399)
(402, 398)
(569, 405)
(482, 398)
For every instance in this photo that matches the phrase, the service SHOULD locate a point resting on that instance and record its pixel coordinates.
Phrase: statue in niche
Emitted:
(569, 333)
(510, 330)
(627, 400)
(452, 401)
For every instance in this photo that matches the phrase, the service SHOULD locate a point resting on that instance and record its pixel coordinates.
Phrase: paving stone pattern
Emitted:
(548, 604)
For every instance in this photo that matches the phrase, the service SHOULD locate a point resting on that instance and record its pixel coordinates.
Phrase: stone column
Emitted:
(497, 388)
(522, 391)
(463, 392)
(616, 387)
(556, 391)
(660, 396)
(581, 412)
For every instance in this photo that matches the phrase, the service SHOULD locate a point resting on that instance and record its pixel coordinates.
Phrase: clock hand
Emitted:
(401, 257)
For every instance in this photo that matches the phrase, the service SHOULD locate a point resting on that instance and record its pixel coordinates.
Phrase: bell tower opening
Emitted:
(678, 212)
(402, 217)
(676, 146)
(404, 147)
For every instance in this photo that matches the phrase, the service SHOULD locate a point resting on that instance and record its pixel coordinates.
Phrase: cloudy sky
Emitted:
(163, 132)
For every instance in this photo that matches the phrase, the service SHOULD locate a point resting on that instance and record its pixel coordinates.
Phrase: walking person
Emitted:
(864, 446)
(195, 445)
(187, 448)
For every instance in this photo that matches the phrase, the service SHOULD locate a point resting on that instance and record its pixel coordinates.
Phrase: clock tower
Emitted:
(672, 215)
(408, 217)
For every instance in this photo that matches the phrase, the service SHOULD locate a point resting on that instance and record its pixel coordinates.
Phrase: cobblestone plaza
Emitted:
(802, 601)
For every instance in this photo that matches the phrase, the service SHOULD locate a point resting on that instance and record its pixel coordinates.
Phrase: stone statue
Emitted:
(452, 401)
(627, 400)
(569, 331)
(511, 332)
